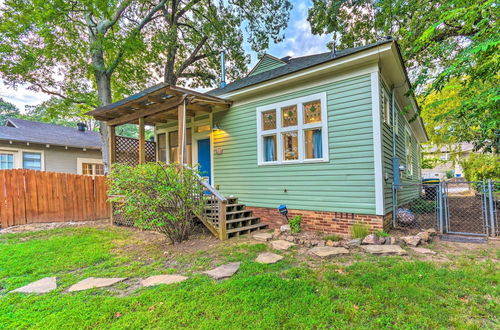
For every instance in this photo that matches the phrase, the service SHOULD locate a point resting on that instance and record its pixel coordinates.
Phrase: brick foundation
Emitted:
(328, 222)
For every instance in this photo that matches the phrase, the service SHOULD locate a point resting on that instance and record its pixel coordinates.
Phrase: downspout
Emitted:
(395, 162)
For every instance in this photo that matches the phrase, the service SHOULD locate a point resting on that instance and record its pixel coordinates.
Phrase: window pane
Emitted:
(173, 155)
(314, 144)
(86, 169)
(312, 112)
(99, 169)
(173, 139)
(269, 120)
(290, 146)
(289, 116)
(270, 148)
(6, 161)
(32, 160)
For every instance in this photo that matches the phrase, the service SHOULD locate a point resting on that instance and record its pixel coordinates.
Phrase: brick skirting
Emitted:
(327, 222)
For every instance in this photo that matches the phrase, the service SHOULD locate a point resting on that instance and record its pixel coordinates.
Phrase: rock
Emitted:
(411, 240)
(422, 250)
(268, 258)
(285, 228)
(391, 240)
(321, 243)
(163, 279)
(425, 236)
(224, 271)
(330, 243)
(263, 237)
(371, 239)
(289, 238)
(384, 250)
(95, 282)
(432, 231)
(353, 242)
(381, 240)
(281, 244)
(315, 242)
(43, 285)
(276, 233)
(328, 251)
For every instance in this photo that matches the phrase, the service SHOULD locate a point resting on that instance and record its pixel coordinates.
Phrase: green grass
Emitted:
(373, 292)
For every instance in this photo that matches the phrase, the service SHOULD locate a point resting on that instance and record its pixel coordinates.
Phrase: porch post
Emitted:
(111, 146)
(142, 142)
(181, 129)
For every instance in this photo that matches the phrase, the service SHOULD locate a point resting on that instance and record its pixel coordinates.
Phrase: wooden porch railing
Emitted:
(214, 213)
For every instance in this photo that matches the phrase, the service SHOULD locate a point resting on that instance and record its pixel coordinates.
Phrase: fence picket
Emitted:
(28, 196)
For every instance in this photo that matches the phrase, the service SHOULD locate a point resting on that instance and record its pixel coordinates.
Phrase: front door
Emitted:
(204, 160)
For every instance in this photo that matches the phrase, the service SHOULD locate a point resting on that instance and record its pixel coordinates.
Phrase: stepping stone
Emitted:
(385, 250)
(422, 250)
(44, 285)
(163, 279)
(268, 258)
(224, 271)
(281, 244)
(264, 237)
(95, 282)
(328, 251)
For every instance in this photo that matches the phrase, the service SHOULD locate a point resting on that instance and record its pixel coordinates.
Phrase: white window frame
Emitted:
(300, 128)
(13, 154)
(94, 161)
(408, 156)
(386, 108)
(33, 152)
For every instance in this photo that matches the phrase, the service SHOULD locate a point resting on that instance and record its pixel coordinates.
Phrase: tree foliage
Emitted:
(158, 196)
(479, 167)
(452, 44)
(7, 110)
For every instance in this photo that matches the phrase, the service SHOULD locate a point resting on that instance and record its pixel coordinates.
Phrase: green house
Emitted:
(317, 133)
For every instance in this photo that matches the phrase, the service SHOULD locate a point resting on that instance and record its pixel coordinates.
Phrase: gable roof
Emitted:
(21, 130)
(291, 66)
(266, 63)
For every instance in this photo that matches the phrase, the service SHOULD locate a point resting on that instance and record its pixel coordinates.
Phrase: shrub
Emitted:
(450, 174)
(295, 224)
(381, 233)
(360, 230)
(479, 167)
(421, 206)
(334, 238)
(158, 196)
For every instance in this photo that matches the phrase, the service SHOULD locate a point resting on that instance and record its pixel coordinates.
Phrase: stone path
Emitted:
(224, 271)
(95, 282)
(163, 279)
(422, 250)
(328, 251)
(281, 245)
(268, 258)
(264, 237)
(44, 285)
(384, 250)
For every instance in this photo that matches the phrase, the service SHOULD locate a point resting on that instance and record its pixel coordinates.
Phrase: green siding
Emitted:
(405, 194)
(344, 184)
(265, 64)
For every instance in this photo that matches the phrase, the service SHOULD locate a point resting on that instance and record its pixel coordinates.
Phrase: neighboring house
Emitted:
(448, 158)
(48, 147)
(312, 132)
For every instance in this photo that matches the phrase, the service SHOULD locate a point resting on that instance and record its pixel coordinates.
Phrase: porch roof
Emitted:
(158, 104)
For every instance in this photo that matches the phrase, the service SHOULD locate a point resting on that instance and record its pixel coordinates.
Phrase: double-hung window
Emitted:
(32, 160)
(6, 161)
(293, 131)
(408, 153)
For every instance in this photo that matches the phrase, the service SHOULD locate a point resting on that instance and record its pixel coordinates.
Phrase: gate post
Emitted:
(440, 206)
(492, 212)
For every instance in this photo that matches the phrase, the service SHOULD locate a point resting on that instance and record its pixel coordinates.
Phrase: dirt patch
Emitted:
(33, 227)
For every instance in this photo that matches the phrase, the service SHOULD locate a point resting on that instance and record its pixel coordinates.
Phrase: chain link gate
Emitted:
(452, 207)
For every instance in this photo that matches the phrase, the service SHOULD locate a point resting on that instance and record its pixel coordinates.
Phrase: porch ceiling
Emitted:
(158, 104)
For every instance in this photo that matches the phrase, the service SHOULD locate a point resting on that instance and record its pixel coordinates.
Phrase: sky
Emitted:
(299, 41)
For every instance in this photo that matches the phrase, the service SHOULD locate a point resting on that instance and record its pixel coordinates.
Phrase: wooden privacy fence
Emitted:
(28, 196)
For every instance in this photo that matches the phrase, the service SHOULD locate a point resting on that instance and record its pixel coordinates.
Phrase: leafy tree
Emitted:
(479, 167)
(7, 110)
(158, 196)
(93, 52)
(453, 41)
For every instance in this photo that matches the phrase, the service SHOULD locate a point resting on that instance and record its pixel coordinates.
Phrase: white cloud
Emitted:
(21, 96)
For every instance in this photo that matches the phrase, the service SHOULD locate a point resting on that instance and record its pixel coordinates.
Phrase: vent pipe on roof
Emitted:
(223, 70)
(82, 127)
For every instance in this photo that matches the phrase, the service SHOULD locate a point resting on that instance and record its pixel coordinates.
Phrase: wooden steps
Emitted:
(239, 220)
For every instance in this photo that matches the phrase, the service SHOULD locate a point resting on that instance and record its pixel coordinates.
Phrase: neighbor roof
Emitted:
(292, 65)
(20, 130)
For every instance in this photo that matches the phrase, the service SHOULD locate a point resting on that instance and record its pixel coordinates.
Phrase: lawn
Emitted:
(457, 290)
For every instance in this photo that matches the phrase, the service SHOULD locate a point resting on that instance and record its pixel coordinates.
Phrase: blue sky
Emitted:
(299, 41)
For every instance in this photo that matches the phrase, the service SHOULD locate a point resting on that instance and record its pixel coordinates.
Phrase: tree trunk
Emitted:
(104, 92)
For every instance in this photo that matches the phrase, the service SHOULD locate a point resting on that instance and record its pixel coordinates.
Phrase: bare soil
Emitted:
(32, 227)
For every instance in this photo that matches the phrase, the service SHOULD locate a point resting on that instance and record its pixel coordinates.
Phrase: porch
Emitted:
(184, 134)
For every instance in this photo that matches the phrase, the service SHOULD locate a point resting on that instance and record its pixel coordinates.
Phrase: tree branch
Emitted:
(193, 57)
(186, 8)
(46, 91)
(104, 26)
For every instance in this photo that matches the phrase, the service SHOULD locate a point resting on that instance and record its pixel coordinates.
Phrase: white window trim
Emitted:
(300, 128)
(14, 158)
(42, 162)
(18, 156)
(80, 161)
(386, 108)
(408, 142)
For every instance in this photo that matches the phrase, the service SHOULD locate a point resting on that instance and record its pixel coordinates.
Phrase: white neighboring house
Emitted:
(450, 158)
(47, 147)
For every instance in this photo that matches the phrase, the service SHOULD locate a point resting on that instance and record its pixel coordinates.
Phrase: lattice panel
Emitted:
(127, 150)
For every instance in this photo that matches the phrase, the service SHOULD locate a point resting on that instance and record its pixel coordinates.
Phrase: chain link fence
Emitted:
(454, 207)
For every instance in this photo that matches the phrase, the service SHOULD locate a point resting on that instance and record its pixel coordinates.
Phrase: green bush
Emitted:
(360, 230)
(450, 174)
(295, 224)
(381, 233)
(158, 196)
(421, 206)
(479, 167)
